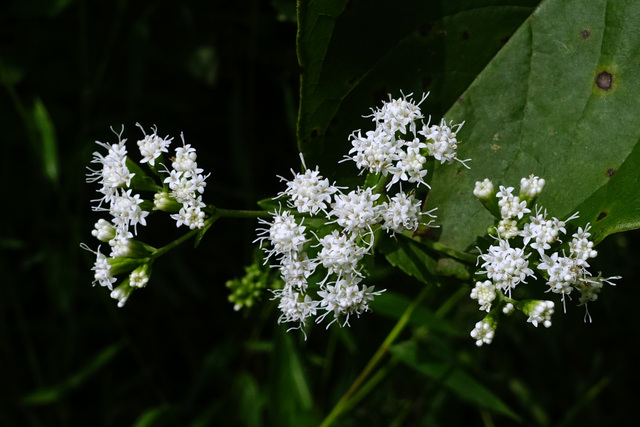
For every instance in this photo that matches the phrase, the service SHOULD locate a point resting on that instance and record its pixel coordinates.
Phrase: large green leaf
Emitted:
(560, 100)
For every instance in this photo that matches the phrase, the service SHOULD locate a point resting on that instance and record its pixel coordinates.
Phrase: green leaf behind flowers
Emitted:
(560, 100)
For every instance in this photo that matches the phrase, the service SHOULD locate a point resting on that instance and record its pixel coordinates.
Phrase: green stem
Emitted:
(230, 213)
(216, 213)
(163, 250)
(345, 401)
(462, 256)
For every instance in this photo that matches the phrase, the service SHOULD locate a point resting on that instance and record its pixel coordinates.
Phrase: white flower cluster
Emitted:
(118, 177)
(397, 148)
(187, 185)
(523, 243)
(348, 221)
(323, 235)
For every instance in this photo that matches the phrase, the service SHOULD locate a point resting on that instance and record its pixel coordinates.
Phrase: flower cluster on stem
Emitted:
(125, 190)
(528, 245)
(324, 232)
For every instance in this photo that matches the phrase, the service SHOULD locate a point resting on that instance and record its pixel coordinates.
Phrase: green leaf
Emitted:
(47, 142)
(559, 101)
(290, 398)
(410, 256)
(251, 401)
(151, 417)
(55, 393)
(394, 305)
(452, 377)
(615, 206)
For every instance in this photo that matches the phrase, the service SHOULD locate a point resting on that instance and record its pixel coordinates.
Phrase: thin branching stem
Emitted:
(345, 401)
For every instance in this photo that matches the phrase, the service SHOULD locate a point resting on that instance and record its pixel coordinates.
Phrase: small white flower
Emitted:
(507, 228)
(483, 333)
(540, 312)
(296, 269)
(152, 146)
(506, 266)
(510, 205)
(114, 173)
(508, 308)
(399, 114)
(442, 143)
(410, 167)
(295, 306)
(190, 215)
(531, 187)
(185, 160)
(355, 212)
(139, 277)
(309, 191)
(340, 254)
(103, 271)
(284, 234)
(580, 247)
(346, 298)
(401, 213)
(483, 189)
(126, 211)
(485, 293)
(103, 230)
(121, 244)
(122, 293)
(564, 272)
(376, 152)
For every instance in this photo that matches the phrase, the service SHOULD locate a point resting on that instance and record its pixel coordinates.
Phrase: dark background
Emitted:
(226, 74)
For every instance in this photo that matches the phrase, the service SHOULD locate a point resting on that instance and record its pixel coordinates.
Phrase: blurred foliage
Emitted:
(226, 74)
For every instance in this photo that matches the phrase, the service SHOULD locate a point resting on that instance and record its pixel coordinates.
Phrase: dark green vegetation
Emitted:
(226, 74)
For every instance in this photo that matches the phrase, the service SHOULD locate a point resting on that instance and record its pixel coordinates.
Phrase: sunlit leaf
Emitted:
(560, 100)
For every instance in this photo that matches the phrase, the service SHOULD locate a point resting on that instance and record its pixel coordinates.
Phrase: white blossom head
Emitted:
(531, 187)
(539, 312)
(484, 189)
(152, 146)
(309, 191)
(484, 293)
(483, 332)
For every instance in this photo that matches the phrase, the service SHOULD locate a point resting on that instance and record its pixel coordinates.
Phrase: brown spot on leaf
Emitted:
(585, 34)
(611, 171)
(314, 133)
(604, 80)
(465, 35)
(460, 100)
(504, 40)
(601, 216)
